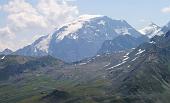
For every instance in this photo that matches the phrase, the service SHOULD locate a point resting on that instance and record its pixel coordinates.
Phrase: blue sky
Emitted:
(134, 11)
(137, 13)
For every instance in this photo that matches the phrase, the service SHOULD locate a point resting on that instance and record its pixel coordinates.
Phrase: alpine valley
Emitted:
(93, 59)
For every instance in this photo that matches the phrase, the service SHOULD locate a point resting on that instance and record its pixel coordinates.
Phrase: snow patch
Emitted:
(3, 58)
(82, 63)
(43, 45)
(135, 59)
(128, 66)
(117, 65)
(126, 57)
(107, 65)
(71, 28)
(102, 22)
(152, 42)
(127, 54)
(123, 31)
(140, 51)
(97, 55)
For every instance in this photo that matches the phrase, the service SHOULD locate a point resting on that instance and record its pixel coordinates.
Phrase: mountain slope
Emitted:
(151, 30)
(79, 39)
(141, 76)
(44, 80)
(121, 43)
(11, 65)
(144, 76)
(38, 48)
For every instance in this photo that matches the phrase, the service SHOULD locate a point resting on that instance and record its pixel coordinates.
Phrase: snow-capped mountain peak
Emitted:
(80, 38)
(75, 25)
(87, 23)
(151, 30)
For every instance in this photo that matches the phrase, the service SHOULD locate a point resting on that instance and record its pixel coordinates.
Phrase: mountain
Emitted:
(122, 43)
(166, 28)
(6, 52)
(79, 39)
(139, 76)
(151, 30)
(143, 76)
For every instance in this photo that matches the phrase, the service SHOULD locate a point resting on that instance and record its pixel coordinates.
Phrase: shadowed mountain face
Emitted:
(121, 43)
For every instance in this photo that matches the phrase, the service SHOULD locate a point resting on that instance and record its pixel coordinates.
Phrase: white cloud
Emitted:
(27, 21)
(17, 6)
(166, 10)
(6, 33)
(55, 13)
(23, 15)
